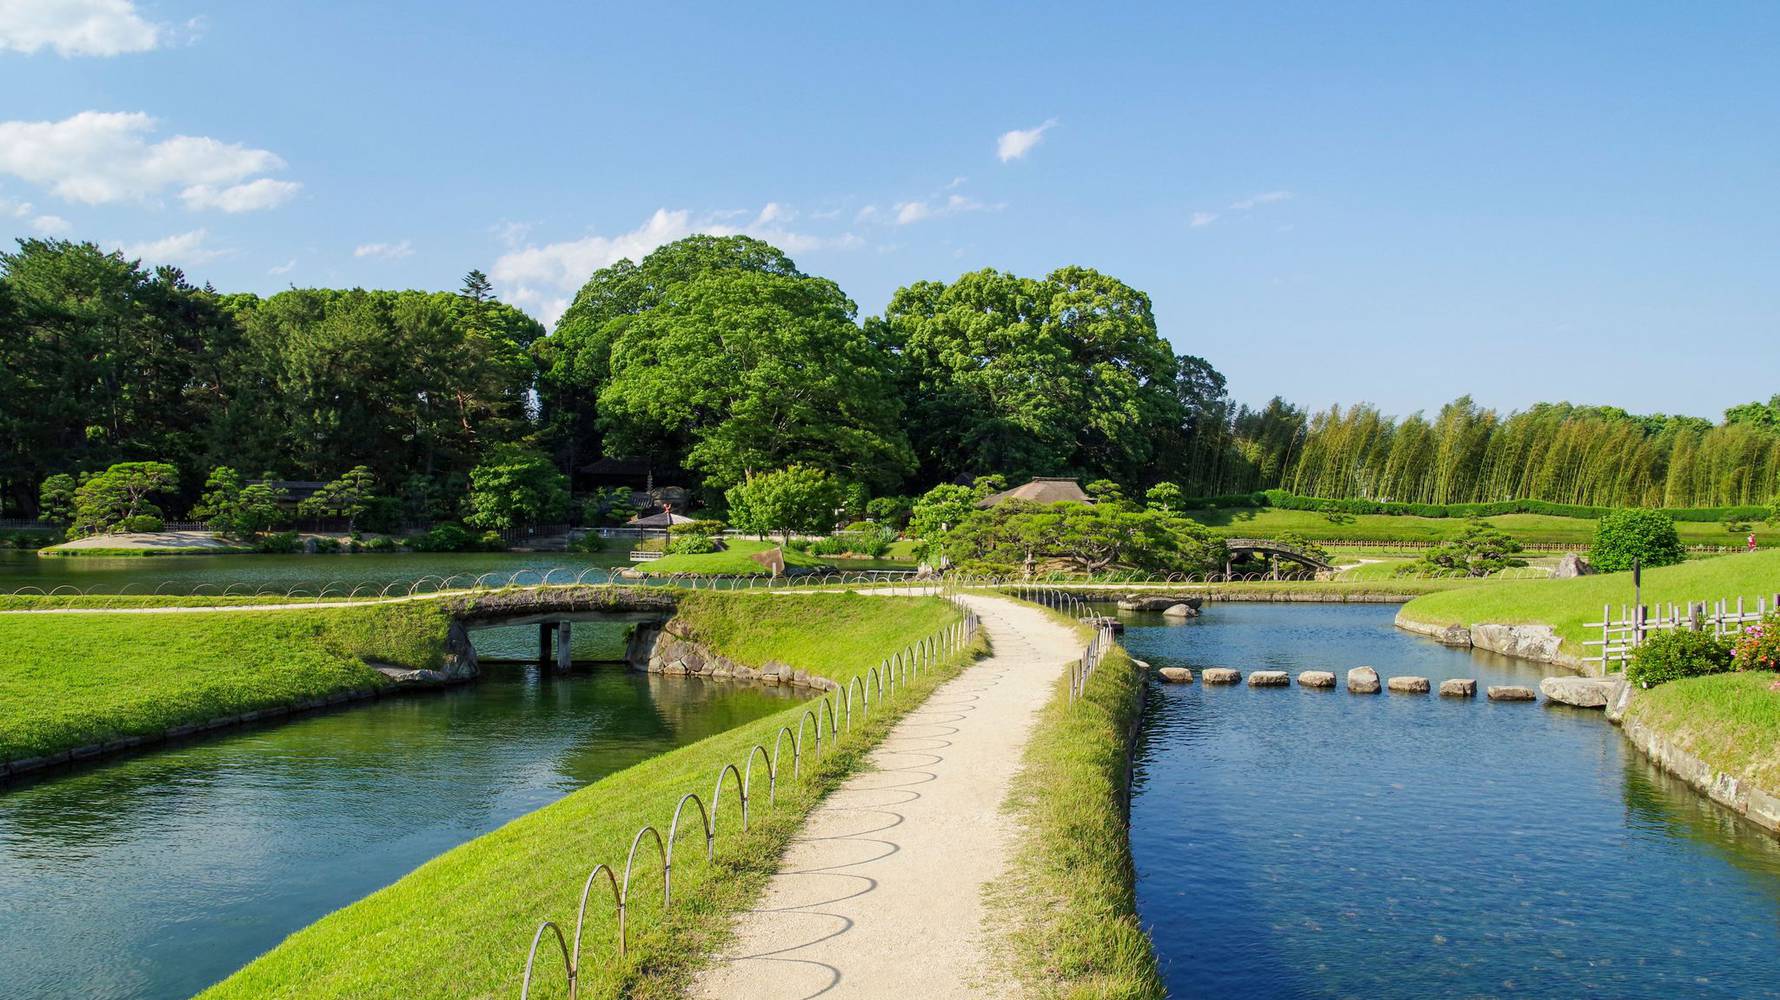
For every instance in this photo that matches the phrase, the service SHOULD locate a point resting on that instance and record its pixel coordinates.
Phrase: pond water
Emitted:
(154, 875)
(1303, 843)
(250, 573)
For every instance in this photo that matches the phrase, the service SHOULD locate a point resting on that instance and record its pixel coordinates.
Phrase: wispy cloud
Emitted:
(1202, 219)
(1264, 198)
(100, 157)
(543, 279)
(185, 249)
(75, 27)
(954, 204)
(386, 251)
(284, 268)
(1017, 143)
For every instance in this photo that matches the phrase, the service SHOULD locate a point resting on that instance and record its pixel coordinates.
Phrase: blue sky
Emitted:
(1394, 203)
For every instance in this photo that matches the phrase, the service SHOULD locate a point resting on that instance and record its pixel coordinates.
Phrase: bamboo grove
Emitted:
(1594, 456)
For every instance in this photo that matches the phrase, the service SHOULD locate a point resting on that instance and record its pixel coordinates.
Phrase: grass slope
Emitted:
(1566, 605)
(1730, 721)
(1070, 904)
(732, 561)
(1533, 528)
(460, 925)
(72, 680)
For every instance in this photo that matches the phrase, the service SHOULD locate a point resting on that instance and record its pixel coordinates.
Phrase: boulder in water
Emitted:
(1362, 680)
(1458, 687)
(1409, 685)
(1316, 679)
(1269, 679)
(1221, 675)
(1176, 675)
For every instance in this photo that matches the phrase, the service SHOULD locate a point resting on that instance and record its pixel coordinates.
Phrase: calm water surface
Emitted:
(153, 876)
(1301, 843)
(179, 574)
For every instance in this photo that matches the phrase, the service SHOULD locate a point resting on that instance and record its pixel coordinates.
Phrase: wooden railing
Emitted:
(1622, 635)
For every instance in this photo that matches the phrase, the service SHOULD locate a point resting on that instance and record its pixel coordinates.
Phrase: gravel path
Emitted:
(881, 894)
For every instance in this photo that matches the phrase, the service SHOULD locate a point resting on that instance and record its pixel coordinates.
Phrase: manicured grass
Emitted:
(1069, 904)
(1730, 721)
(1526, 528)
(732, 561)
(34, 602)
(1567, 605)
(68, 681)
(134, 553)
(459, 926)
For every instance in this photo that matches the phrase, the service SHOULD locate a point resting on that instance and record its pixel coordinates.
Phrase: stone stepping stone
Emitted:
(1511, 692)
(1362, 680)
(1221, 675)
(1269, 679)
(1316, 679)
(1409, 685)
(1580, 692)
(1176, 675)
(1458, 687)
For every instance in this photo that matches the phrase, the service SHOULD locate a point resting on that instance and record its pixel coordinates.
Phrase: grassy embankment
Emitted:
(70, 681)
(459, 925)
(732, 561)
(1566, 605)
(1068, 907)
(1730, 721)
(1525, 528)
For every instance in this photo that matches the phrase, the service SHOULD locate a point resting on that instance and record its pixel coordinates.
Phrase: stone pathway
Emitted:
(881, 894)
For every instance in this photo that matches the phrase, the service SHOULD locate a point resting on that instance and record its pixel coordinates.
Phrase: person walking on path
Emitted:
(880, 896)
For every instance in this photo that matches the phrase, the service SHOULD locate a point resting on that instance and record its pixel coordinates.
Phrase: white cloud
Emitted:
(1264, 198)
(184, 249)
(98, 157)
(250, 197)
(75, 27)
(510, 234)
(284, 268)
(954, 204)
(387, 251)
(1202, 219)
(1017, 143)
(51, 225)
(543, 279)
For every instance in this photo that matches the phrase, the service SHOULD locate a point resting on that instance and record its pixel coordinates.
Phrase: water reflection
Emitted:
(155, 875)
(1304, 843)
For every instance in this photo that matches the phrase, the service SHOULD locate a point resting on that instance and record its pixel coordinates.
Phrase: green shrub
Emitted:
(1672, 654)
(142, 522)
(325, 546)
(1479, 550)
(587, 542)
(1758, 646)
(1635, 533)
(447, 537)
(381, 543)
(282, 543)
(708, 527)
(692, 545)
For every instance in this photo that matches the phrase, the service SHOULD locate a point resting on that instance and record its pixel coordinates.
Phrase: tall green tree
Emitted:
(516, 485)
(797, 498)
(349, 497)
(755, 371)
(574, 362)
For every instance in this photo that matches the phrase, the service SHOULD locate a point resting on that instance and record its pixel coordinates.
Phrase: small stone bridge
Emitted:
(1235, 547)
(552, 609)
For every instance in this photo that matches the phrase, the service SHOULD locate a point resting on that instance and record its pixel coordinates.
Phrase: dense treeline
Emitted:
(1594, 456)
(719, 356)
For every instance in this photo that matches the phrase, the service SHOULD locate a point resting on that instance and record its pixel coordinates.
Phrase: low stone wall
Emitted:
(1538, 643)
(1760, 805)
(673, 649)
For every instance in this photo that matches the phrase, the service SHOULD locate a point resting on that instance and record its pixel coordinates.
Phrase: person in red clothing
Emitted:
(1752, 541)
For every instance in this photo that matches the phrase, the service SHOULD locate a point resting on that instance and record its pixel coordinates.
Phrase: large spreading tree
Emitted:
(754, 371)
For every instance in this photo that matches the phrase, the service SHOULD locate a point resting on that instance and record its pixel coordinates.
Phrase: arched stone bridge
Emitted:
(552, 609)
(1235, 547)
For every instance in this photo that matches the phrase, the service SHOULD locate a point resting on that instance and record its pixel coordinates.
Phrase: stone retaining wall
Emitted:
(1538, 643)
(672, 649)
(1760, 805)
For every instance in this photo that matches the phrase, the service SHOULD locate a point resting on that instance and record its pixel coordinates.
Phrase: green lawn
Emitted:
(1567, 605)
(1069, 907)
(459, 926)
(1730, 721)
(732, 561)
(72, 680)
(1527, 528)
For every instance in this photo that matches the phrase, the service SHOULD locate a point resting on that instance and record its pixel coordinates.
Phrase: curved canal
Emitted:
(1303, 843)
(153, 876)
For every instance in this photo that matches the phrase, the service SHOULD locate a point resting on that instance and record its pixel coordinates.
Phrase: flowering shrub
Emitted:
(1671, 654)
(1758, 648)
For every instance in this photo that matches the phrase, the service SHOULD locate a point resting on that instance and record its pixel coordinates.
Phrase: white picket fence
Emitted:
(1620, 636)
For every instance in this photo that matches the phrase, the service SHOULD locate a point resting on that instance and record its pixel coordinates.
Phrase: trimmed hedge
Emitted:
(1329, 505)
